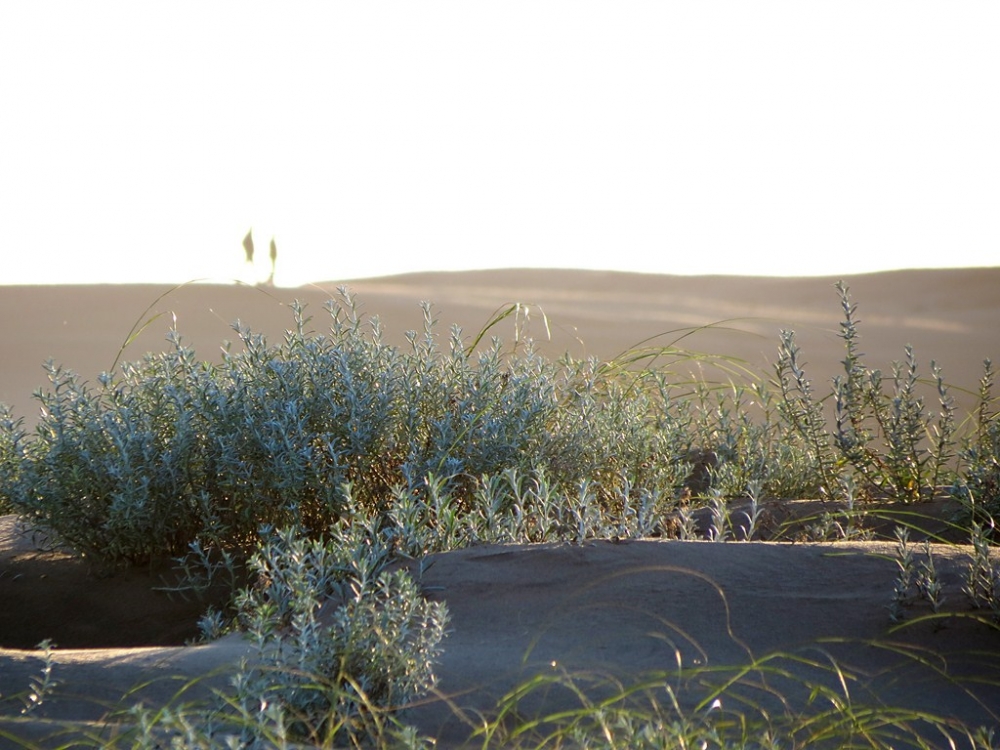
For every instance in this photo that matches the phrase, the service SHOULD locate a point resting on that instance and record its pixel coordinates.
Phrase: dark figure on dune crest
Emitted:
(274, 262)
(248, 246)
(248, 249)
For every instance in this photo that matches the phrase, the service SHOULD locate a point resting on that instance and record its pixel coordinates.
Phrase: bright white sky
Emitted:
(140, 141)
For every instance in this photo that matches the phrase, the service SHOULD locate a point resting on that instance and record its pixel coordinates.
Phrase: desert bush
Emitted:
(981, 455)
(329, 678)
(802, 411)
(918, 446)
(339, 644)
(11, 438)
(172, 450)
(884, 433)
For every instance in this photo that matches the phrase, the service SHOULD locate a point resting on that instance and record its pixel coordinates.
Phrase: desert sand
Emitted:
(601, 611)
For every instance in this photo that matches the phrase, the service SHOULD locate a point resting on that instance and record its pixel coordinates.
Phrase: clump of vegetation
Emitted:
(981, 455)
(173, 450)
(651, 715)
(333, 678)
(914, 580)
(894, 446)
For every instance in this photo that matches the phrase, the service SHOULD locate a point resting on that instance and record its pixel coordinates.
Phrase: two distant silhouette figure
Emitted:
(248, 247)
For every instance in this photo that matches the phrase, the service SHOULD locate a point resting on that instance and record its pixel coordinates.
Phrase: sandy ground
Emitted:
(600, 611)
(606, 613)
(947, 315)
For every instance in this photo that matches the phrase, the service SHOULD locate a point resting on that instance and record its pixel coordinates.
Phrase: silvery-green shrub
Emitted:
(339, 638)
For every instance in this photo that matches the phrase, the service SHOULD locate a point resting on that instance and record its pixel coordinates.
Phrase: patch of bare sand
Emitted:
(636, 610)
(609, 613)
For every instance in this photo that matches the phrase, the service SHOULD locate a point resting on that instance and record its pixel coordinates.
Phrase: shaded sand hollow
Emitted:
(599, 611)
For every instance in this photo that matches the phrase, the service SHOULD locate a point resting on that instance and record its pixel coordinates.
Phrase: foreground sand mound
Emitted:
(623, 612)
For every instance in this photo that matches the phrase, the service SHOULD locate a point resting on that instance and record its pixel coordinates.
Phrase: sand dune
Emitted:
(947, 315)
